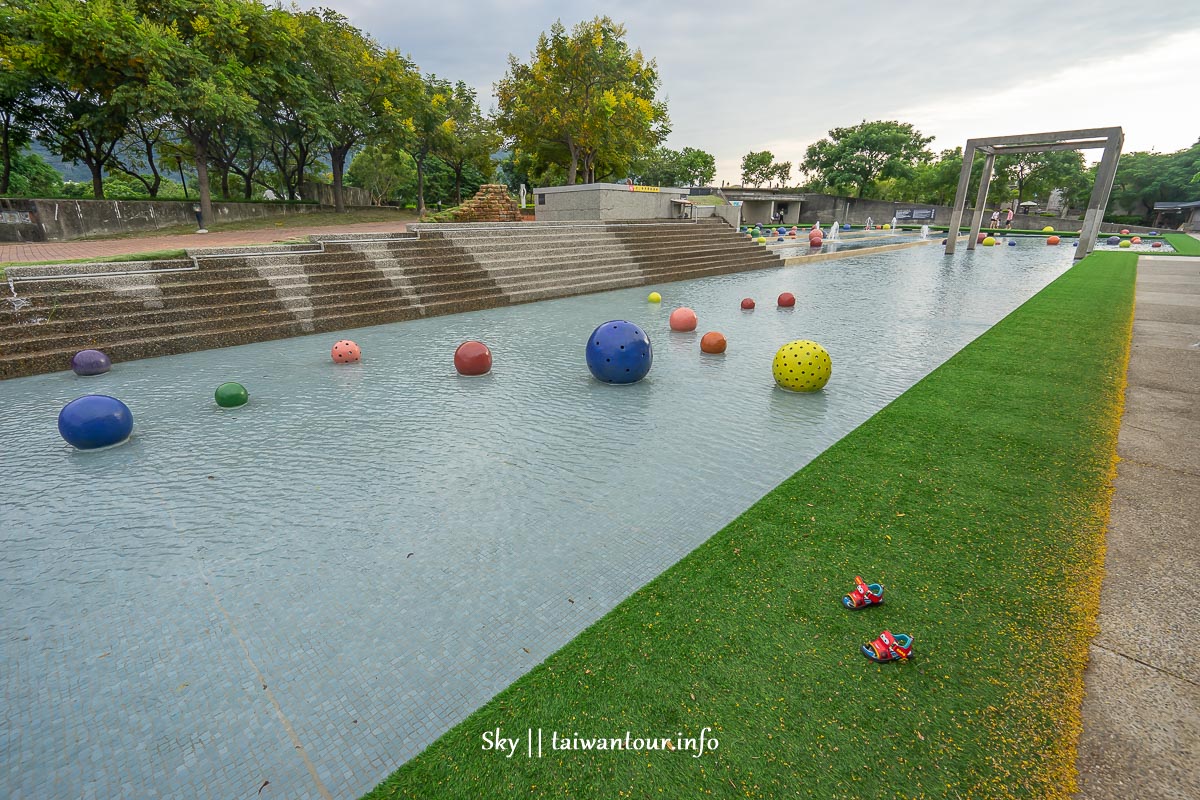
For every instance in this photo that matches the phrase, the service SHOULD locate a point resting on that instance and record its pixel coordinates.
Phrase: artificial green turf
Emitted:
(1184, 245)
(979, 498)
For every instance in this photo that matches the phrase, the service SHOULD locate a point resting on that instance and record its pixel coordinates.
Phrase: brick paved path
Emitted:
(97, 248)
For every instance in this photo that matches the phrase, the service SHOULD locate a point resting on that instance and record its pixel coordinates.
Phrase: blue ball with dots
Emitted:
(619, 352)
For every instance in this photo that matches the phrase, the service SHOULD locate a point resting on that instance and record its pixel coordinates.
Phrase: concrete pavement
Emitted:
(1141, 712)
(100, 248)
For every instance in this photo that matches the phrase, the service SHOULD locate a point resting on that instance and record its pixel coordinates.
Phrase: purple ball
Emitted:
(90, 362)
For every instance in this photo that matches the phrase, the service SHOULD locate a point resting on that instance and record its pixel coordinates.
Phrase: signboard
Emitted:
(635, 188)
(915, 213)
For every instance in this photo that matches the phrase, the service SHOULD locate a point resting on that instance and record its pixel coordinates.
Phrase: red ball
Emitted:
(1157, 244)
(787, 300)
(815, 241)
(473, 358)
(713, 342)
(982, 236)
(1124, 231)
(1052, 240)
(748, 303)
(683, 319)
(346, 352)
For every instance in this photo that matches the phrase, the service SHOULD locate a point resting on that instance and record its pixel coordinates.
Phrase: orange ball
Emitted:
(1052, 240)
(787, 300)
(713, 342)
(473, 358)
(683, 319)
(1136, 240)
(1124, 231)
(346, 352)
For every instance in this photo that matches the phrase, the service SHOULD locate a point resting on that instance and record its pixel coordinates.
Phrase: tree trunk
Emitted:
(97, 180)
(420, 186)
(337, 158)
(5, 160)
(249, 180)
(458, 173)
(204, 190)
(224, 183)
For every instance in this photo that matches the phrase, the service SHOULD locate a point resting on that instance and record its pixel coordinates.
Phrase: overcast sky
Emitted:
(741, 76)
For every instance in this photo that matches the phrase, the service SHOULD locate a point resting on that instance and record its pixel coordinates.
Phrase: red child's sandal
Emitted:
(864, 594)
(889, 647)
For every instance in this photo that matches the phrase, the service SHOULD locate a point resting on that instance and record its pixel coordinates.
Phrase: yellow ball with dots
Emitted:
(802, 366)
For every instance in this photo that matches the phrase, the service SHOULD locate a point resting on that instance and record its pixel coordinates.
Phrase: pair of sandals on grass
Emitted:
(889, 646)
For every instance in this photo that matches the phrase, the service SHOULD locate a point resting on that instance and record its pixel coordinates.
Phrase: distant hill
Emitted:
(70, 172)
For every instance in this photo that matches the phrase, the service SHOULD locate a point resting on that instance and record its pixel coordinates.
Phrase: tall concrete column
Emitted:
(960, 197)
(1106, 173)
(977, 218)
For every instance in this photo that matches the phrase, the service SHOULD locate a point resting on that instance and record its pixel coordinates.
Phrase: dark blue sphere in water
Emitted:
(1012, 243)
(619, 352)
(95, 420)
(1114, 240)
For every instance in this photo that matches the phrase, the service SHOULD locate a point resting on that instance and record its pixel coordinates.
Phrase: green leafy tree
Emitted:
(19, 109)
(862, 154)
(1038, 174)
(472, 139)
(31, 176)
(1144, 179)
(89, 57)
(698, 167)
(382, 171)
(759, 168)
(207, 59)
(351, 75)
(425, 124)
(585, 97)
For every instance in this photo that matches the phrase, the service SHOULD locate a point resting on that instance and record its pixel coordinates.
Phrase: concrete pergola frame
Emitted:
(1110, 139)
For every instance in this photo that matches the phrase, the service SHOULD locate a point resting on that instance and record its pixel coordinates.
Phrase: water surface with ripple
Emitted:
(364, 554)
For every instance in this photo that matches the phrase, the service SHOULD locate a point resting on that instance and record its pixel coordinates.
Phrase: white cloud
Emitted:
(760, 75)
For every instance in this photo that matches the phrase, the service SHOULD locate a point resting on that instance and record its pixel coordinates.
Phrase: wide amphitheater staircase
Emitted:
(217, 298)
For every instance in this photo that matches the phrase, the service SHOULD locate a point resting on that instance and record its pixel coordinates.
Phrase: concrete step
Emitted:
(85, 334)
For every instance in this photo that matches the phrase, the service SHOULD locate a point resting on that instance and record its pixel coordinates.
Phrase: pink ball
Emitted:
(683, 319)
(346, 352)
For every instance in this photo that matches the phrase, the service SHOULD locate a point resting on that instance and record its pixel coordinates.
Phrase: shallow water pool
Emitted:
(310, 589)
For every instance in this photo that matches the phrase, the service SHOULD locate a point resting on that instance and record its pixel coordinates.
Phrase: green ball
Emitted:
(231, 395)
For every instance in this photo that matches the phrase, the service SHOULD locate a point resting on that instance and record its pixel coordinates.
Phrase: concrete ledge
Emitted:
(858, 251)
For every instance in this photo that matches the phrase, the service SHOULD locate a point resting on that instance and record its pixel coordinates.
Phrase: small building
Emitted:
(763, 206)
(623, 202)
(1181, 216)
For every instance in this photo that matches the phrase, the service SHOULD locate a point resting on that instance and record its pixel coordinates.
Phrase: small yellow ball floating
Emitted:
(1125, 243)
(802, 366)
(887, 226)
(761, 240)
(654, 297)
(988, 241)
(1048, 229)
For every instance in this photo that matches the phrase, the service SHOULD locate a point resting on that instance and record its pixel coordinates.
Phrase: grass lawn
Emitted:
(300, 220)
(1184, 245)
(979, 498)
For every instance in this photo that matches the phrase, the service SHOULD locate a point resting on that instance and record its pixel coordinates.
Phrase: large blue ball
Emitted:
(1012, 243)
(619, 352)
(1114, 240)
(95, 420)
